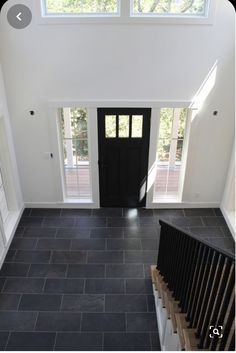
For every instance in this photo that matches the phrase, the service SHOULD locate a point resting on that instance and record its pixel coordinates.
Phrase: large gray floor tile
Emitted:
(31, 341)
(125, 303)
(86, 271)
(17, 321)
(105, 286)
(64, 286)
(50, 322)
(103, 322)
(81, 341)
(40, 302)
(124, 271)
(83, 303)
(127, 342)
(24, 285)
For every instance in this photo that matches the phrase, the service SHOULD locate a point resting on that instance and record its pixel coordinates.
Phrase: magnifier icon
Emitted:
(216, 331)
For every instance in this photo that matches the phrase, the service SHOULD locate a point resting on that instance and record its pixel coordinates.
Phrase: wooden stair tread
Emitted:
(174, 309)
(181, 323)
(187, 336)
(191, 342)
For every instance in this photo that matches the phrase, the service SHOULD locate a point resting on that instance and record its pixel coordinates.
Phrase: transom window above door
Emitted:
(123, 126)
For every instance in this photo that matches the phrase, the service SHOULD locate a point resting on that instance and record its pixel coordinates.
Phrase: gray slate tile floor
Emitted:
(80, 279)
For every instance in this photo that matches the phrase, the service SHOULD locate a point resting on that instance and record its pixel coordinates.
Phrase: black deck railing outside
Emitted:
(202, 278)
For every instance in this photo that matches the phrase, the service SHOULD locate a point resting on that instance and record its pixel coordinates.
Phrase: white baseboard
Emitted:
(230, 220)
(75, 204)
(184, 205)
(66, 204)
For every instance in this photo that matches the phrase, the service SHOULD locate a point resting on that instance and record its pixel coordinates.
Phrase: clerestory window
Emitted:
(81, 7)
(170, 7)
(126, 9)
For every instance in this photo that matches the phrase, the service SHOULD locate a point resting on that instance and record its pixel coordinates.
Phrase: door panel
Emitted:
(123, 135)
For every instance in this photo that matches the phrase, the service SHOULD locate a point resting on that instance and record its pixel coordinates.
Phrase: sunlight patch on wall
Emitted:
(204, 91)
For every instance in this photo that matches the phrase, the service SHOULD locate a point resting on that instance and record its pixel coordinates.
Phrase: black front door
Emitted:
(123, 137)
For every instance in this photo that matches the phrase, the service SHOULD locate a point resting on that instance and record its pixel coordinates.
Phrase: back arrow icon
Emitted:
(18, 16)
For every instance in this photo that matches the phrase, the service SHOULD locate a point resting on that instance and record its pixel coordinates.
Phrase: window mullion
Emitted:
(125, 8)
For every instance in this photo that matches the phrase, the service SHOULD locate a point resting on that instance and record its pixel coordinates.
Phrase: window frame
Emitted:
(78, 198)
(81, 15)
(170, 15)
(124, 16)
(176, 198)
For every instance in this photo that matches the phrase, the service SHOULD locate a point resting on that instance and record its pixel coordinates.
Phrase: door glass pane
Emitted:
(123, 125)
(137, 126)
(110, 126)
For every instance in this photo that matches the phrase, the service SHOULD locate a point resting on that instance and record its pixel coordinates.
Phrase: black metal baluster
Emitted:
(168, 256)
(228, 322)
(172, 260)
(231, 345)
(178, 263)
(204, 333)
(207, 292)
(194, 282)
(201, 277)
(165, 258)
(228, 294)
(198, 286)
(219, 296)
(202, 287)
(182, 267)
(161, 251)
(187, 270)
(192, 268)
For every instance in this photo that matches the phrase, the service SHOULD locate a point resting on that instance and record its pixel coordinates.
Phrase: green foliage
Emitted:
(165, 128)
(140, 6)
(169, 6)
(165, 131)
(79, 130)
(79, 133)
(110, 126)
(81, 6)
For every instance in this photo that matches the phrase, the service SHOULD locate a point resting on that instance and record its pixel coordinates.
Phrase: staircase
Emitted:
(194, 289)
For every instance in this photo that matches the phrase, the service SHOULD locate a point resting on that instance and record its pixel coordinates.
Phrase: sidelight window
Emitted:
(170, 149)
(74, 134)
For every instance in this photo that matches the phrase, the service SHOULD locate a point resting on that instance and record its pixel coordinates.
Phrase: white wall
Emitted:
(12, 184)
(228, 201)
(10, 177)
(45, 63)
